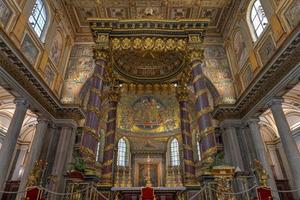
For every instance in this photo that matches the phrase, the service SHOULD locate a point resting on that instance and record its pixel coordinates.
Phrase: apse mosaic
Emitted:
(148, 113)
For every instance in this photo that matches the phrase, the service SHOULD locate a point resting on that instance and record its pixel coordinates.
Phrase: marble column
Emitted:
(188, 162)
(203, 110)
(11, 138)
(231, 143)
(34, 153)
(90, 136)
(288, 142)
(60, 162)
(108, 158)
(261, 153)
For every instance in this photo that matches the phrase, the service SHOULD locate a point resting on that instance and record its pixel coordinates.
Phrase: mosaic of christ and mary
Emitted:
(148, 113)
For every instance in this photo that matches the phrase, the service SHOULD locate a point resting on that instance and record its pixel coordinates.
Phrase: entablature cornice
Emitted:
(148, 27)
(18, 70)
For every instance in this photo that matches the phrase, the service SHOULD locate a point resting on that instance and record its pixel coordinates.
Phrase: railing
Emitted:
(88, 191)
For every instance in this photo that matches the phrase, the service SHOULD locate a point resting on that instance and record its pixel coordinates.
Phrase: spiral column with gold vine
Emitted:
(207, 142)
(90, 136)
(108, 158)
(189, 166)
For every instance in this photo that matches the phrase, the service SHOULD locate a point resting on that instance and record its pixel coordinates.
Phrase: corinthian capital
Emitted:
(182, 94)
(100, 54)
(196, 55)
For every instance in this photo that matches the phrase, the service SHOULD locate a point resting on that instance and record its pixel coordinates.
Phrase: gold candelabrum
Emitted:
(261, 173)
(173, 177)
(117, 180)
(123, 178)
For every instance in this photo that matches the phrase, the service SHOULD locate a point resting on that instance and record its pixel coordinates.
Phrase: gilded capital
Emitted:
(101, 40)
(100, 54)
(114, 96)
(196, 55)
(182, 94)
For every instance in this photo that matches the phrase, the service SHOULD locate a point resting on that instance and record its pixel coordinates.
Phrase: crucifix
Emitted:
(148, 178)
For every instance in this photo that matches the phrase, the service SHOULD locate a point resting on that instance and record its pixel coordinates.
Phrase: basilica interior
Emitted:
(192, 99)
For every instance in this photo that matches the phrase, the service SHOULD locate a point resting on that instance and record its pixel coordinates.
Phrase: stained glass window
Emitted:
(121, 161)
(38, 17)
(258, 18)
(175, 153)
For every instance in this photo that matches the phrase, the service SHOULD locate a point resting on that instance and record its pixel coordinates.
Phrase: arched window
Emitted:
(38, 18)
(258, 18)
(98, 152)
(198, 150)
(121, 161)
(175, 153)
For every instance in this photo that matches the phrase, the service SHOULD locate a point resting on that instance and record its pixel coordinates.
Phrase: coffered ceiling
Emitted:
(80, 10)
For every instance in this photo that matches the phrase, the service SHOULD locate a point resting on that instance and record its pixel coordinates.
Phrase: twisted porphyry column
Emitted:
(90, 135)
(189, 166)
(108, 158)
(207, 142)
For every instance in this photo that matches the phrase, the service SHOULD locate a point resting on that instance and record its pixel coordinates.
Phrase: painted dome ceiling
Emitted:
(148, 59)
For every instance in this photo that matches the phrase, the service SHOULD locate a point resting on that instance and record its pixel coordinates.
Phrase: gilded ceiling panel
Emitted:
(80, 10)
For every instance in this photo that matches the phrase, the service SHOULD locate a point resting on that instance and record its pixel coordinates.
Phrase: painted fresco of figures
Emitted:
(49, 75)
(239, 46)
(293, 13)
(5, 13)
(29, 49)
(217, 71)
(80, 69)
(56, 48)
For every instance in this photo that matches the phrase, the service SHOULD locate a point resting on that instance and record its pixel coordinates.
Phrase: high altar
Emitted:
(151, 66)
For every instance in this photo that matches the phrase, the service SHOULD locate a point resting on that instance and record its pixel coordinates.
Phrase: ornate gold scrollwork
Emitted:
(116, 44)
(196, 55)
(137, 43)
(147, 44)
(182, 94)
(170, 44)
(100, 54)
(126, 43)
